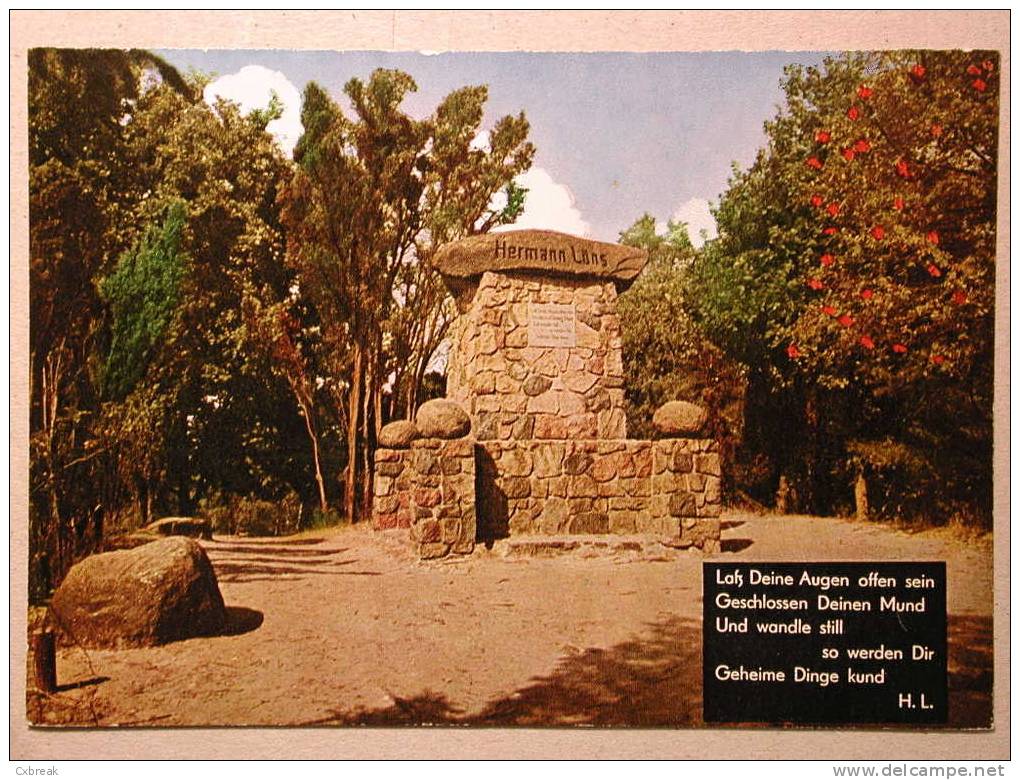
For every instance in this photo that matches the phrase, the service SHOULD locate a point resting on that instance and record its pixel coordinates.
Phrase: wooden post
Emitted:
(43, 646)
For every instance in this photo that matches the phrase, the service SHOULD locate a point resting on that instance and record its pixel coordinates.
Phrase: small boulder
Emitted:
(146, 596)
(195, 527)
(127, 541)
(680, 418)
(441, 418)
(398, 435)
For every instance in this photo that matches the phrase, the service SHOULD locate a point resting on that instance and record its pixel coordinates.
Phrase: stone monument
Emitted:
(536, 362)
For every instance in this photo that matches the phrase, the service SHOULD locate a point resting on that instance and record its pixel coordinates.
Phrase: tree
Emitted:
(666, 357)
(229, 421)
(372, 194)
(79, 104)
(142, 294)
(854, 271)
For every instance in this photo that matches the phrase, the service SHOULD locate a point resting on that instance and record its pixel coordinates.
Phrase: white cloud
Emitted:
(480, 141)
(251, 88)
(695, 212)
(548, 205)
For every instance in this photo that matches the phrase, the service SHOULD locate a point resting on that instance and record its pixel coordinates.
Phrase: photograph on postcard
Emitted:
(516, 389)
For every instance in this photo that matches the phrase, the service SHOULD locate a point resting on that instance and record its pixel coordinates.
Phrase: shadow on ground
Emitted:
(734, 545)
(236, 563)
(654, 679)
(241, 620)
(970, 671)
(651, 680)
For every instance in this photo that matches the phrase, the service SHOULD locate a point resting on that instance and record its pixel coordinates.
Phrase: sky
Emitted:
(617, 134)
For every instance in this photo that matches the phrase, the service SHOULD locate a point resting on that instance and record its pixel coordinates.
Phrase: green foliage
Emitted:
(82, 191)
(328, 519)
(251, 516)
(855, 262)
(142, 292)
(373, 194)
(666, 357)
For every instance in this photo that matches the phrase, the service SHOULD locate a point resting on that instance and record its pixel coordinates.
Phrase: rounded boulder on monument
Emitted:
(442, 418)
(680, 418)
(398, 434)
(150, 595)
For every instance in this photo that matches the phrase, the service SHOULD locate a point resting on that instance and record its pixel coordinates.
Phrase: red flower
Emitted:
(863, 92)
(899, 348)
(833, 209)
(817, 201)
(867, 343)
(830, 231)
(973, 70)
(848, 153)
(827, 259)
(815, 284)
(829, 310)
(959, 297)
(988, 65)
(846, 320)
(917, 73)
(934, 270)
(823, 136)
(902, 169)
(853, 113)
(979, 85)
(898, 203)
(933, 237)
(878, 232)
(814, 162)
(867, 294)
(936, 130)
(862, 146)
(793, 352)
(938, 360)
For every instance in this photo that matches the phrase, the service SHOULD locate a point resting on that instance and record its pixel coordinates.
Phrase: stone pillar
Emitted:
(442, 479)
(686, 495)
(391, 489)
(518, 385)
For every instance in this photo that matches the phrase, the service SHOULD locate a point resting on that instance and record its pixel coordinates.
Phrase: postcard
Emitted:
(450, 373)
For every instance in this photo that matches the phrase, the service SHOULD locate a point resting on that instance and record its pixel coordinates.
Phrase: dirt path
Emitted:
(345, 628)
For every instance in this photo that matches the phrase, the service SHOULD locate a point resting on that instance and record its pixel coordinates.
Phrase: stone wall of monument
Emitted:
(429, 488)
(669, 488)
(391, 489)
(521, 379)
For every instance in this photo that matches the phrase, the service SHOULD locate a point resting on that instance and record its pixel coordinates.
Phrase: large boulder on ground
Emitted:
(195, 527)
(398, 435)
(441, 418)
(150, 595)
(680, 418)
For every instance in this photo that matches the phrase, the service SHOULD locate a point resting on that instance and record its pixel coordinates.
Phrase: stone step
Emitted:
(582, 545)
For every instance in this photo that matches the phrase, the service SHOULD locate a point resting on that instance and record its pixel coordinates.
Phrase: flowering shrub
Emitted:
(861, 245)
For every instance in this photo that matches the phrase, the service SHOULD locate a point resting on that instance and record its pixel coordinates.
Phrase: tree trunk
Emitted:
(369, 428)
(353, 432)
(313, 436)
(377, 408)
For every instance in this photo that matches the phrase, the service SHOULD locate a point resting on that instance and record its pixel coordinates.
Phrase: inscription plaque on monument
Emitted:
(551, 325)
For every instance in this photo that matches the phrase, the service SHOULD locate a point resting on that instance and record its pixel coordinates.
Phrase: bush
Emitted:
(330, 517)
(248, 516)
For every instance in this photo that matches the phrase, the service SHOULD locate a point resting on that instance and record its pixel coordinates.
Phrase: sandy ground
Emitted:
(343, 627)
